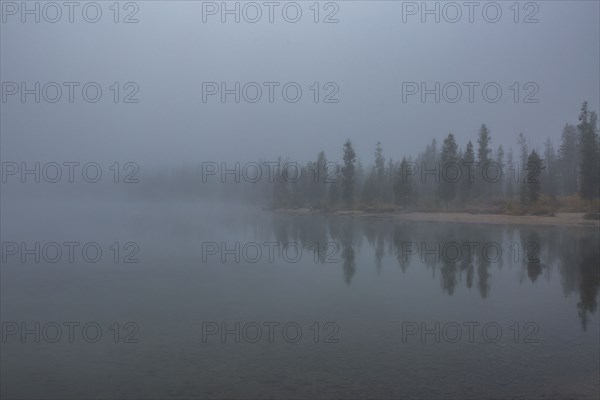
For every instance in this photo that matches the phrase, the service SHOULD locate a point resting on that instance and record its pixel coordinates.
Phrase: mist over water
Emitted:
(329, 199)
(366, 277)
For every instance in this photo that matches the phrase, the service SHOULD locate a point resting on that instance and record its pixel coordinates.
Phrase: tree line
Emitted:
(453, 177)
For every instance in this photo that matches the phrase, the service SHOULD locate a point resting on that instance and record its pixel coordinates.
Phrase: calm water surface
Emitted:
(365, 293)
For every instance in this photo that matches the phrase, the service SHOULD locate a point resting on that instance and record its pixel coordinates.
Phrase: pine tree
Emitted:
(549, 177)
(568, 158)
(320, 180)
(301, 187)
(360, 177)
(534, 170)
(334, 187)
(348, 172)
(449, 164)
(483, 152)
(483, 158)
(428, 161)
(379, 172)
(588, 164)
(522, 141)
(501, 170)
(468, 168)
(369, 189)
(389, 181)
(510, 170)
(403, 184)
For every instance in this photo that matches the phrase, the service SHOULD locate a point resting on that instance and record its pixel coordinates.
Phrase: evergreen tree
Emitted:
(379, 172)
(468, 168)
(348, 173)
(319, 183)
(509, 176)
(483, 158)
(501, 170)
(334, 187)
(449, 166)
(549, 177)
(360, 177)
(379, 162)
(369, 189)
(428, 161)
(403, 184)
(568, 158)
(430, 155)
(588, 164)
(522, 141)
(389, 182)
(300, 187)
(534, 170)
(484, 141)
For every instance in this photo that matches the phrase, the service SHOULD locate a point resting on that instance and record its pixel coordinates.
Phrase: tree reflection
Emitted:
(463, 253)
(589, 279)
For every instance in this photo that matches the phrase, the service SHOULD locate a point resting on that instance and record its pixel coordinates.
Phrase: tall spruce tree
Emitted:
(468, 175)
(522, 141)
(449, 170)
(348, 173)
(568, 158)
(588, 164)
(483, 159)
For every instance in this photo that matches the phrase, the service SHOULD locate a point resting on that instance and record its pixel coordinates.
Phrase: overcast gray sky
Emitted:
(368, 54)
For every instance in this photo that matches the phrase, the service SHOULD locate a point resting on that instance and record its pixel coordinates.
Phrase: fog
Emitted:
(170, 52)
(310, 199)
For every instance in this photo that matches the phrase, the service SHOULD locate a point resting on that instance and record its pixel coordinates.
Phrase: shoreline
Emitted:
(560, 219)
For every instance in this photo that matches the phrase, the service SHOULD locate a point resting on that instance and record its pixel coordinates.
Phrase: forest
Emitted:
(540, 180)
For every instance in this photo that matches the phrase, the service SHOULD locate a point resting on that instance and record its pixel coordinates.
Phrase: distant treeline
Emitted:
(474, 177)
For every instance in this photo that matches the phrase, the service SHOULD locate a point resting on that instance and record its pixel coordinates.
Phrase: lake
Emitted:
(120, 299)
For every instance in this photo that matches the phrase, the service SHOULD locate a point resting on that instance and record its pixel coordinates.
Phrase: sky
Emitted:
(180, 52)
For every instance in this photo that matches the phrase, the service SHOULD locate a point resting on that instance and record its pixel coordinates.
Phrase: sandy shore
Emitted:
(566, 219)
(560, 219)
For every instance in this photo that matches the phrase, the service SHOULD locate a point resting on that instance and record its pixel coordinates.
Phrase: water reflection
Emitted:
(369, 276)
(458, 254)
